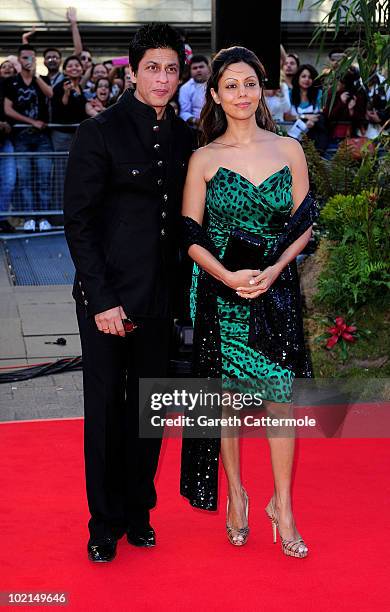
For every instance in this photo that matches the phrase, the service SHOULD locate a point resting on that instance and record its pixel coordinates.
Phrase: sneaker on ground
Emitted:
(44, 225)
(29, 225)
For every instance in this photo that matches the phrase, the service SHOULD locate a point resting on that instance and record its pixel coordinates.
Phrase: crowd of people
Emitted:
(84, 87)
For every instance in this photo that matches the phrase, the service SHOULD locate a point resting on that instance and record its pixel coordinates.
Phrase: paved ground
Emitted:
(29, 317)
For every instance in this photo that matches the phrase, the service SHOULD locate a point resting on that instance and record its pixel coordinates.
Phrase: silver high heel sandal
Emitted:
(238, 536)
(291, 547)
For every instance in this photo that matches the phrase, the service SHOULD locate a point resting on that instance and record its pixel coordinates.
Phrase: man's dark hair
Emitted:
(295, 56)
(199, 59)
(46, 51)
(26, 47)
(337, 50)
(155, 36)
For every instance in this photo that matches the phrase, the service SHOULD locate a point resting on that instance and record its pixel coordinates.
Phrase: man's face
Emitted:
(290, 66)
(335, 59)
(200, 72)
(27, 59)
(52, 61)
(157, 77)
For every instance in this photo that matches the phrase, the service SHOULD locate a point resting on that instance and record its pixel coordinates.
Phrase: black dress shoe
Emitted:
(102, 550)
(141, 536)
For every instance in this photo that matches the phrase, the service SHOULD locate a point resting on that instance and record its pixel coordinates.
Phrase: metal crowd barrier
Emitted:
(35, 182)
(32, 182)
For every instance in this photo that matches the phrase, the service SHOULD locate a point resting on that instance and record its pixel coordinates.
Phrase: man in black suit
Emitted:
(122, 204)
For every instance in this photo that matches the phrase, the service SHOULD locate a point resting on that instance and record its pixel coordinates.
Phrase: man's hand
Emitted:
(33, 68)
(38, 124)
(26, 35)
(71, 14)
(5, 127)
(110, 321)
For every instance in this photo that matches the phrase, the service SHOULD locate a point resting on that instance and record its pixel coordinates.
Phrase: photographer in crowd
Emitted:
(68, 104)
(347, 115)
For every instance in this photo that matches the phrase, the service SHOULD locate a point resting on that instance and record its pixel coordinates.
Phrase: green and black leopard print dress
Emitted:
(233, 201)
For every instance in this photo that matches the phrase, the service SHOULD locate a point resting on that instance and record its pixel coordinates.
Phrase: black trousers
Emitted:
(119, 465)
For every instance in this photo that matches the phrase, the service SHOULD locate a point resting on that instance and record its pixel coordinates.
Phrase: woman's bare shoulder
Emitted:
(201, 158)
(290, 145)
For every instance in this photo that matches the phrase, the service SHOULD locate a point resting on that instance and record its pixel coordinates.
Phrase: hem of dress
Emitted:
(195, 504)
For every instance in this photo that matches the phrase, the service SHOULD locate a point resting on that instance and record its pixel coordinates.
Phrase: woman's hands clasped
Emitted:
(250, 284)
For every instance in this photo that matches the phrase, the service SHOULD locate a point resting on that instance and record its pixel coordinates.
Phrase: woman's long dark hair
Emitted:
(213, 120)
(312, 92)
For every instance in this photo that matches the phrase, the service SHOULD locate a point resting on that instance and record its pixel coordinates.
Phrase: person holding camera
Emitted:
(378, 110)
(68, 106)
(26, 101)
(347, 115)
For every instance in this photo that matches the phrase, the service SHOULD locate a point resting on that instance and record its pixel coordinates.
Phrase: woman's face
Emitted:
(99, 71)
(73, 69)
(7, 69)
(86, 60)
(239, 91)
(305, 79)
(103, 90)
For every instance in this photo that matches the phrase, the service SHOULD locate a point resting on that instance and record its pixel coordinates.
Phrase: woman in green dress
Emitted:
(247, 177)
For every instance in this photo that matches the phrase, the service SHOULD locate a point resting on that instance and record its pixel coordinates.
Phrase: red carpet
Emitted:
(342, 508)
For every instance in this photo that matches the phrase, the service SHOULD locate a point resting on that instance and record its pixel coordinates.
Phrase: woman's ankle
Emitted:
(282, 501)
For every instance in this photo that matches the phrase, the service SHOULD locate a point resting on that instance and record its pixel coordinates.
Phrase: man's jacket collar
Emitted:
(132, 105)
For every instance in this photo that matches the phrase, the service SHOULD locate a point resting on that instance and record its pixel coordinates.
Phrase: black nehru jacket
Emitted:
(122, 204)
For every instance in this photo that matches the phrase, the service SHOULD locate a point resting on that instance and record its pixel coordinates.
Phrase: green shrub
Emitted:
(352, 277)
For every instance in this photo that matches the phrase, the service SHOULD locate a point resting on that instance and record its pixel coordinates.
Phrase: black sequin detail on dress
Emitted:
(261, 340)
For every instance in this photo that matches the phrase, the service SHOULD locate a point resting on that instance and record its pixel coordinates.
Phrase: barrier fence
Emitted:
(31, 182)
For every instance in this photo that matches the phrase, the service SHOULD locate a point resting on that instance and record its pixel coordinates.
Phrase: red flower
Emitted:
(348, 337)
(331, 342)
(340, 330)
